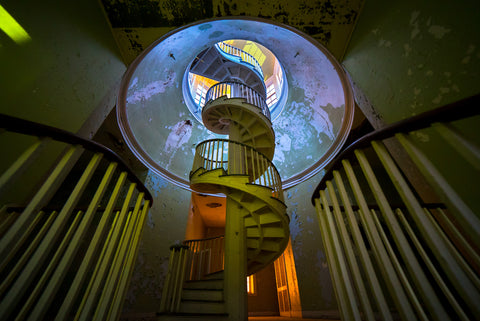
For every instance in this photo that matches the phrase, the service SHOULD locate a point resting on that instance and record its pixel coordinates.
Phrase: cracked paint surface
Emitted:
(134, 22)
(166, 131)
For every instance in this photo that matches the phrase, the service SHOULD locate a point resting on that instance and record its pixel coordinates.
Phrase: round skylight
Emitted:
(201, 74)
(162, 131)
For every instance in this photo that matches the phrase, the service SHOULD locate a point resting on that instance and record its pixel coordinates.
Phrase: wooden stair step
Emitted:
(202, 295)
(273, 232)
(202, 307)
(204, 284)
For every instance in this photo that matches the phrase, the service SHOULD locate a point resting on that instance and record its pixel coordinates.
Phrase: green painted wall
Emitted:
(66, 71)
(408, 57)
(412, 56)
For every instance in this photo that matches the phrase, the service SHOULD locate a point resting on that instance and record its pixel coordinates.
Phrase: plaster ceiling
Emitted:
(137, 23)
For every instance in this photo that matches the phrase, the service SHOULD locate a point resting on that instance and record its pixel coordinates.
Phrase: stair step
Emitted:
(219, 275)
(253, 243)
(202, 295)
(204, 284)
(202, 307)
(273, 232)
(250, 221)
(270, 246)
(269, 218)
(253, 232)
(193, 316)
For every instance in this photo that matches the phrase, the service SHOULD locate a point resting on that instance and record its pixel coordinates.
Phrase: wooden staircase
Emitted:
(240, 168)
(201, 300)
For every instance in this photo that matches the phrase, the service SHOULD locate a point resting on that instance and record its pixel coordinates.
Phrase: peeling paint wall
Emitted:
(408, 57)
(412, 56)
(136, 24)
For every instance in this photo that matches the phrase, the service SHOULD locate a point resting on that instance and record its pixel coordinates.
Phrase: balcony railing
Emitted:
(243, 55)
(238, 90)
(238, 159)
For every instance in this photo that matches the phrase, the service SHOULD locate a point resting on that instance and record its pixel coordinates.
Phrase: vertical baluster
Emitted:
(43, 195)
(257, 156)
(415, 271)
(464, 147)
(464, 215)
(340, 277)
(129, 265)
(22, 163)
(350, 255)
(71, 252)
(89, 260)
(217, 158)
(252, 159)
(469, 252)
(393, 284)
(46, 246)
(417, 305)
(168, 280)
(370, 273)
(107, 265)
(451, 266)
(432, 268)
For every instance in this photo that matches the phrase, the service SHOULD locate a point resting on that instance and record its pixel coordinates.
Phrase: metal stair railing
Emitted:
(243, 55)
(238, 159)
(232, 89)
(400, 255)
(70, 250)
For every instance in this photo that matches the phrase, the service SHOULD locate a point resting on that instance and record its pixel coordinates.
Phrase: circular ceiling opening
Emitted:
(313, 114)
(208, 68)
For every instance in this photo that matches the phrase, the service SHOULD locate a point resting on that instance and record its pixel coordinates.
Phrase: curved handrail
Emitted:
(233, 89)
(22, 126)
(238, 159)
(243, 55)
(205, 239)
(455, 111)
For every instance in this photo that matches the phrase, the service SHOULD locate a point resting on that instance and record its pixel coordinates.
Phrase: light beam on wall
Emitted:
(12, 28)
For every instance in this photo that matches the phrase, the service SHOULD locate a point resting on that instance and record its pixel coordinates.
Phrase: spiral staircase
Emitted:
(241, 168)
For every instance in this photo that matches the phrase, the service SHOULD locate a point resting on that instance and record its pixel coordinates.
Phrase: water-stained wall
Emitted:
(408, 57)
(136, 24)
(411, 56)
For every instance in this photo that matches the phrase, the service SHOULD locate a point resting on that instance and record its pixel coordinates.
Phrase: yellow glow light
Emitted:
(12, 28)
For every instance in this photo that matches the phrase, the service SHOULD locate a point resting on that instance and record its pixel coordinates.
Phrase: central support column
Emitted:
(235, 263)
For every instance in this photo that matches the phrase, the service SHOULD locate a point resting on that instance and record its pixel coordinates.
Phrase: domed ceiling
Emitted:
(162, 132)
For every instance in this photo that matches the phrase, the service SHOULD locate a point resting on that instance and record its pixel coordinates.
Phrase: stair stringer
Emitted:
(254, 127)
(264, 215)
